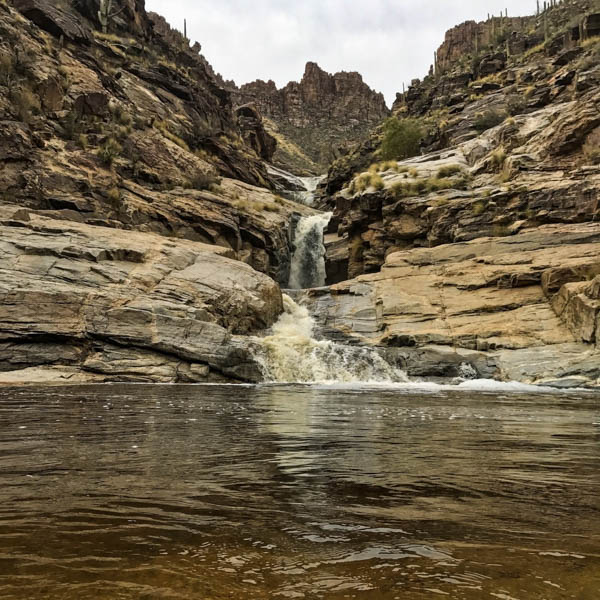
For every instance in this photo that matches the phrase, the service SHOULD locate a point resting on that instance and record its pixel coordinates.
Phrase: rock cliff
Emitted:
(509, 158)
(313, 118)
(141, 236)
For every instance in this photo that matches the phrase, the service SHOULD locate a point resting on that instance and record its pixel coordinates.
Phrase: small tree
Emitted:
(401, 138)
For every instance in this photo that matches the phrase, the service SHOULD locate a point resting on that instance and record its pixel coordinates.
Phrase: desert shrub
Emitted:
(401, 138)
(413, 172)
(488, 119)
(377, 182)
(82, 141)
(498, 157)
(449, 170)
(109, 151)
(591, 148)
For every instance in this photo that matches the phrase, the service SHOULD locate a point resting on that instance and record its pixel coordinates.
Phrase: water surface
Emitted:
(127, 492)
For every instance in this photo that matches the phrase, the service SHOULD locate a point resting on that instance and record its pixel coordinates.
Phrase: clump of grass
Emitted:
(364, 182)
(498, 157)
(377, 182)
(204, 181)
(413, 172)
(591, 41)
(500, 231)
(109, 151)
(114, 194)
(390, 165)
(449, 170)
(26, 103)
(164, 129)
(441, 201)
(488, 119)
(7, 69)
(82, 141)
(479, 207)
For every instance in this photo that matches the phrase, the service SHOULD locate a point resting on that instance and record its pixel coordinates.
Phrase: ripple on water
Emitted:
(298, 492)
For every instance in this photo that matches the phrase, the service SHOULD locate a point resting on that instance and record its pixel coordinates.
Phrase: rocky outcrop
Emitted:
(89, 302)
(514, 308)
(525, 172)
(108, 138)
(318, 115)
(254, 132)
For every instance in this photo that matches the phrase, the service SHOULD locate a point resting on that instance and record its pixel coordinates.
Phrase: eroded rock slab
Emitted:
(124, 305)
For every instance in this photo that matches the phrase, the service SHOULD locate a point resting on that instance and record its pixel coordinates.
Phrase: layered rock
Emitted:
(525, 172)
(316, 116)
(85, 302)
(514, 308)
(119, 135)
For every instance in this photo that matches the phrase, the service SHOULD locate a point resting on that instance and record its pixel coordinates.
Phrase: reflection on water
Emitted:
(123, 492)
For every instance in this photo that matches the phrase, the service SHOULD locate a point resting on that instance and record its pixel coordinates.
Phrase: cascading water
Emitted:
(292, 355)
(308, 261)
(310, 184)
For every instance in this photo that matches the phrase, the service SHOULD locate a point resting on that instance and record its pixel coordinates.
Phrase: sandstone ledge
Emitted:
(79, 303)
(523, 307)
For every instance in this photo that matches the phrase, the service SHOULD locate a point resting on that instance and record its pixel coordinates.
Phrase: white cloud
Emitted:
(388, 41)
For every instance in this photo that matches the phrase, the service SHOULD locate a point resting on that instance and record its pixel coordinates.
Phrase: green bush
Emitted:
(401, 138)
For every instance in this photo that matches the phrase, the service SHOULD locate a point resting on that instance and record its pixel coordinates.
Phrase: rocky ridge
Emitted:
(142, 235)
(313, 118)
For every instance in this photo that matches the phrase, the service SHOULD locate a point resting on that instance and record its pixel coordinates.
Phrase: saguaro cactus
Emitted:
(105, 14)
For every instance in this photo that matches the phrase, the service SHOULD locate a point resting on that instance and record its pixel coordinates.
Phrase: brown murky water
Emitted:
(123, 492)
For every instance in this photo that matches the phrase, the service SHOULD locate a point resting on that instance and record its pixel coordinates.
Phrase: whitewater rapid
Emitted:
(291, 354)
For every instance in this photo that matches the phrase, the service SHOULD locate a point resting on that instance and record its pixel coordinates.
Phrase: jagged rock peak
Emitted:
(318, 114)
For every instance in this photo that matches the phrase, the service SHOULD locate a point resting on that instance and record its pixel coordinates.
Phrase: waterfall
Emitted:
(308, 261)
(291, 355)
(310, 185)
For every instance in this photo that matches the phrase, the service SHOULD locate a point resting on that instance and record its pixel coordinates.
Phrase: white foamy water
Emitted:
(292, 354)
(308, 261)
(310, 184)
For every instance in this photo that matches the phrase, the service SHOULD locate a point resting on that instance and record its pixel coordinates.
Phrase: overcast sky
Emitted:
(387, 41)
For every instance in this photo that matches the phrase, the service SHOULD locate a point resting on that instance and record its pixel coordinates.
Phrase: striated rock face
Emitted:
(319, 114)
(514, 308)
(114, 139)
(541, 180)
(91, 302)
